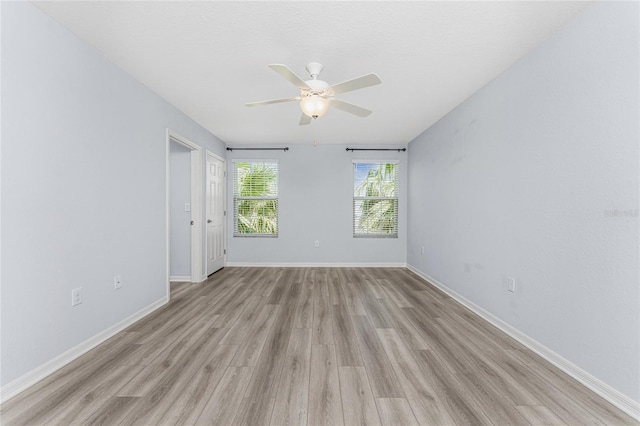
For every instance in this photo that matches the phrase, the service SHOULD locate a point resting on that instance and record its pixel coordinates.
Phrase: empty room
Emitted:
(320, 213)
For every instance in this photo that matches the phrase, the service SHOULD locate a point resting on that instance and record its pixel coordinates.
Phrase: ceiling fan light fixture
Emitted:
(314, 106)
(316, 96)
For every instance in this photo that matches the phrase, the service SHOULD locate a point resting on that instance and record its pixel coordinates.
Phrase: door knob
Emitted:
(209, 221)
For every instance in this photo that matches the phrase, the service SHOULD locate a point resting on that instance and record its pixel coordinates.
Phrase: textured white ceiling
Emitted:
(209, 58)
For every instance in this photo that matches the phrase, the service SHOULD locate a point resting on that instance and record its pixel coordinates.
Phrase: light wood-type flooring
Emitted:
(310, 346)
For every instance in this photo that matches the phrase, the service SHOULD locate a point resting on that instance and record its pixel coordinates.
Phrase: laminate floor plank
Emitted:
(491, 402)
(82, 408)
(39, 396)
(292, 399)
(186, 401)
(420, 394)
(154, 372)
(217, 287)
(375, 288)
(404, 328)
(540, 415)
(487, 367)
(563, 406)
(258, 280)
(600, 408)
(238, 331)
(322, 319)
(46, 405)
(173, 321)
(424, 302)
(310, 346)
(253, 341)
(159, 318)
(349, 297)
(382, 378)
(257, 405)
(395, 295)
(325, 403)
(322, 282)
(333, 283)
(476, 337)
(412, 281)
(233, 314)
(452, 391)
(282, 288)
(427, 329)
(482, 326)
(178, 288)
(449, 347)
(158, 400)
(345, 337)
(171, 314)
(231, 306)
(304, 310)
(166, 344)
(271, 280)
(358, 405)
(113, 412)
(379, 317)
(395, 412)
(222, 407)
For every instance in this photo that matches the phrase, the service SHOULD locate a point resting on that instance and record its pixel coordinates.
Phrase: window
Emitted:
(255, 198)
(375, 199)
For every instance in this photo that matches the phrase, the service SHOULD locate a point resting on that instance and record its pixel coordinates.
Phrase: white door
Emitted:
(215, 213)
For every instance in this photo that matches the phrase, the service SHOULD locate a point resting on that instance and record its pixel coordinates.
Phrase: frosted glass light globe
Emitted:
(314, 106)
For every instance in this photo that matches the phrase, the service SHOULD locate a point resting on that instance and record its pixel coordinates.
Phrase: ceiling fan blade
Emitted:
(284, 71)
(355, 84)
(272, 101)
(351, 108)
(304, 119)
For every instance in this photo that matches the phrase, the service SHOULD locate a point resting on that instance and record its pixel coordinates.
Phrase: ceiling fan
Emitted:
(316, 96)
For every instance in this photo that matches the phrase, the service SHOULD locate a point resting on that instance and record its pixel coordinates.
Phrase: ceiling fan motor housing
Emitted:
(316, 87)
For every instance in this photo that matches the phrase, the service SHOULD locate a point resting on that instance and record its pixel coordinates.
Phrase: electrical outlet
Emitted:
(76, 296)
(316, 244)
(117, 282)
(422, 250)
(511, 284)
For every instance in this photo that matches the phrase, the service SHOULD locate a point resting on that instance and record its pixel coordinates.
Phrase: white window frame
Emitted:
(237, 198)
(395, 199)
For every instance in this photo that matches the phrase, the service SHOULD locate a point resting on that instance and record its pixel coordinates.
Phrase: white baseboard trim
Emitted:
(20, 384)
(180, 278)
(317, 265)
(612, 395)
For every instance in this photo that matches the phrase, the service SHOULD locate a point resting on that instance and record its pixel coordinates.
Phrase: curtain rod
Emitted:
(258, 149)
(377, 149)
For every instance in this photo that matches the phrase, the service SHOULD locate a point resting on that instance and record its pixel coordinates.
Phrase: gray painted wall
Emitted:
(536, 177)
(83, 190)
(180, 220)
(315, 203)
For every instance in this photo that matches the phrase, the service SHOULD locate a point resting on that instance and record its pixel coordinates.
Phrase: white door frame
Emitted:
(196, 207)
(224, 206)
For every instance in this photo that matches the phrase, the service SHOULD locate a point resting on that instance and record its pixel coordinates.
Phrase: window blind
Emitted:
(375, 199)
(255, 198)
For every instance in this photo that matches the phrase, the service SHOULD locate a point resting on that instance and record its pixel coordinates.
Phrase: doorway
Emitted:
(179, 212)
(194, 205)
(216, 212)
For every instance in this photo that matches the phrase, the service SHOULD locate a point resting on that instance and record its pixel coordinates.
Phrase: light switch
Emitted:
(187, 207)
